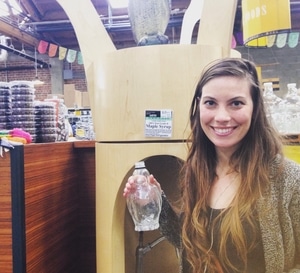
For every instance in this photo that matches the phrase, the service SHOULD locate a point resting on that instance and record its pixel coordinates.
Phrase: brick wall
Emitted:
(78, 77)
(21, 69)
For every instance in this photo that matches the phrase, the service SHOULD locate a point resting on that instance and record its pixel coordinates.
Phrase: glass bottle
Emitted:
(144, 204)
(291, 110)
(272, 103)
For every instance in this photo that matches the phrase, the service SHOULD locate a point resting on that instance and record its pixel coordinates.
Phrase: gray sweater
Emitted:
(279, 219)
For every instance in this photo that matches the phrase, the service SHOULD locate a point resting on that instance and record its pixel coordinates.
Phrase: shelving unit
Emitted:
(81, 122)
(275, 83)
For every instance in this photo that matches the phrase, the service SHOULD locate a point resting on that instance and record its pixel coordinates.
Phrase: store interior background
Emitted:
(276, 63)
(51, 24)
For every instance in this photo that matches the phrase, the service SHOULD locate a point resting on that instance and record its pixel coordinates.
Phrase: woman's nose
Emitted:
(222, 114)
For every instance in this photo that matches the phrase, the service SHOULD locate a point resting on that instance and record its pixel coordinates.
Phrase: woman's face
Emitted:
(226, 110)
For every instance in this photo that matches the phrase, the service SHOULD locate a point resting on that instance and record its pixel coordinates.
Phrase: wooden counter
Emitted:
(47, 198)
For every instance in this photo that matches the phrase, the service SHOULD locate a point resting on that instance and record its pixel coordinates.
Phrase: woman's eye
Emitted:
(237, 103)
(209, 103)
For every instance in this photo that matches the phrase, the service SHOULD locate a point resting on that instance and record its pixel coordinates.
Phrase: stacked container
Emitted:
(5, 106)
(45, 121)
(23, 95)
(61, 112)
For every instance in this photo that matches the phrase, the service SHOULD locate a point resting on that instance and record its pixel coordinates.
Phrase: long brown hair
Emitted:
(251, 160)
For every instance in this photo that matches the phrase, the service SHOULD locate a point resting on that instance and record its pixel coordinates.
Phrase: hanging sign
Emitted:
(271, 40)
(158, 123)
(293, 39)
(262, 18)
(281, 40)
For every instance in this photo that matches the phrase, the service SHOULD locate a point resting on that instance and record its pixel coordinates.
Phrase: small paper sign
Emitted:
(158, 123)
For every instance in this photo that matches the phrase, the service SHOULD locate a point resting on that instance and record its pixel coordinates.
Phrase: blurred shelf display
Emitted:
(283, 113)
(82, 123)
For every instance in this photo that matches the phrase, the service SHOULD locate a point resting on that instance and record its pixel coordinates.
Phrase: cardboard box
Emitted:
(69, 95)
(74, 98)
(78, 99)
(68, 87)
(85, 100)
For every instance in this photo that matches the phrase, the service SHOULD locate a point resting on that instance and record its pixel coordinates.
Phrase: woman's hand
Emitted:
(130, 186)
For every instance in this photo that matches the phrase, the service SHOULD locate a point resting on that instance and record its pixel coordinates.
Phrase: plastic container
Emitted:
(23, 111)
(21, 97)
(5, 106)
(144, 204)
(4, 89)
(21, 84)
(272, 103)
(292, 110)
(28, 118)
(5, 98)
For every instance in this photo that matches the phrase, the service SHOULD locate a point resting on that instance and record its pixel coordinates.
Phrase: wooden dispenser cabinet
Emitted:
(127, 88)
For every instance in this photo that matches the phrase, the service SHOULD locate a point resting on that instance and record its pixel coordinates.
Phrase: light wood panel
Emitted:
(93, 38)
(115, 163)
(147, 78)
(217, 21)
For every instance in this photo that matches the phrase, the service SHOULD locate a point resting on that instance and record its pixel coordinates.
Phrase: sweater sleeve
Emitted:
(169, 223)
(294, 209)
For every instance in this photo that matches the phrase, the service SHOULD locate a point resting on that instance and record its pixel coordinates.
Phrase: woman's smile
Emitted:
(223, 131)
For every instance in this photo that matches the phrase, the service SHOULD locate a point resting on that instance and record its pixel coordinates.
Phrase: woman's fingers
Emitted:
(154, 181)
(130, 186)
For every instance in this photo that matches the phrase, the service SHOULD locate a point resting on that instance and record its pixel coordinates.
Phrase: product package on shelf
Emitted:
(23, 96)
(45, 121)
(61, 119)
(82, 123)
(5, 106)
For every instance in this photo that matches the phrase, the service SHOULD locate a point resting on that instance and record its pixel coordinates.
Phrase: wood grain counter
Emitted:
(55, 187)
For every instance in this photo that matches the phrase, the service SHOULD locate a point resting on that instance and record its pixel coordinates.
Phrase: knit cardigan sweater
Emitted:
(279, 219)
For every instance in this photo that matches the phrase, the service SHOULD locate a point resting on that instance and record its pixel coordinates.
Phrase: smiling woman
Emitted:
(235, 181)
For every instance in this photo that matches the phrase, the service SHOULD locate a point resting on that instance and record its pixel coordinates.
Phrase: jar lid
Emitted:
(139, 165)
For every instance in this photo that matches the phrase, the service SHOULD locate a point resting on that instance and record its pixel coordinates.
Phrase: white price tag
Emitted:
(158, 123)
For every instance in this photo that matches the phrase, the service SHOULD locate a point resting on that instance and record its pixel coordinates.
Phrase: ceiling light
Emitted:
(37, 81)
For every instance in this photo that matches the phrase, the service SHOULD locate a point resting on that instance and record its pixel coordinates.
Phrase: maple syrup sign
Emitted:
(262, 18)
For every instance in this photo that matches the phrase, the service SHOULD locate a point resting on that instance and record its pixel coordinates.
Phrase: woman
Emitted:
(241, 197)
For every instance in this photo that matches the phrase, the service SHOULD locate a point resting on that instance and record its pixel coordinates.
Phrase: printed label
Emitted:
(158, 123)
